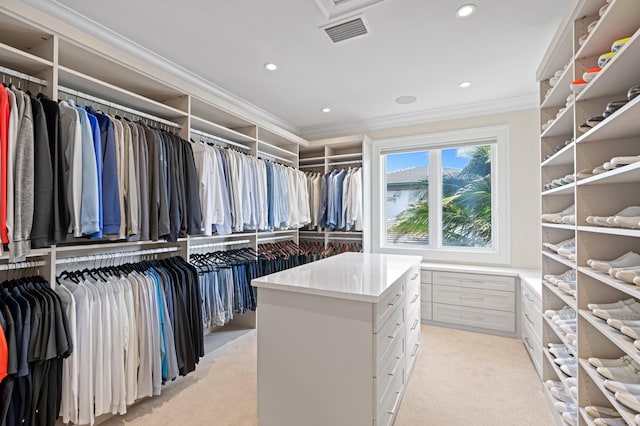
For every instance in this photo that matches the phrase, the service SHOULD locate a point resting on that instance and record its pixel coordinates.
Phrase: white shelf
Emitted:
(626, 413)
(561, 91)
(626, 174)
(561, 190)
(218, 130)
(631, 289)
(559, 226)
(564, 341)
(588, 420)
(563, 124)
(338, 157)
(622, 124)
(625, 232)
(618, 75)
(558, 258)
(562, 157)
(92, 86)
(566, 298)
(550, 400)
(563, 377)
(312, 159)
(21, 61)
(617, 338)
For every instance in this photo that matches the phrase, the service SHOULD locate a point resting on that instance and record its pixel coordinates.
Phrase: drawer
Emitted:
(387, 370)
(532, 317)
(388, 408)
(387, 306)
(474, 317)
(412, 323)
(412, 295)
(413, 346)
(413, 276)
(426, 311)
(531, 297)
(489, 282)
(533, 345)
(390, 334)
(426, 276)
(475, 298)
(425, 292)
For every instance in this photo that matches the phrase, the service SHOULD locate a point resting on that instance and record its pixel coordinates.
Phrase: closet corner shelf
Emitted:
(560, 158)
(556, 368)
(566, 298)
(559, 226)
(622, 124)
(554, 412)
(614, 24)
(561, 338)
(561, 190)
(626, 413)
(562, 125)
(625, 232)
(559, 93)
(631, 289)
(218, 130)
(618, 75)
(21, 61)
(625, 174)
(559, 258)
(101, 89)
(620, 340)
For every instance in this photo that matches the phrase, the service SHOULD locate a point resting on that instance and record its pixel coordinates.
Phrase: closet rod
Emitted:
(22, 265)
(311, 237)
(112, 255)
(220, 244)
(117, 106)
(268, 156)
(309, 166)
(268, 239)
(22, 76)
(219, 139)
(338, 163)
(345, 239)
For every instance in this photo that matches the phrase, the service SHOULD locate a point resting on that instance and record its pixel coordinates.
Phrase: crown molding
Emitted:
(236, 104)
(421, 117)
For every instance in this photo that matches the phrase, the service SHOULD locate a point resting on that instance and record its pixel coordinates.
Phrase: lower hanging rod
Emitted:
(220, 244)
(22, 265)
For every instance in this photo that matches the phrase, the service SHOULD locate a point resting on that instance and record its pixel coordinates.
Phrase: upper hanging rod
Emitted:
(219, 139)
(267, 239)
(117, 106)
(220, 244)
(22, 76)
(338, 163)
(309, 166)
(112, 255)
(22, 265)
(275, 157)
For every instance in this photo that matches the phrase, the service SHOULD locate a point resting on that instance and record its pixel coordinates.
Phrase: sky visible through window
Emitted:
(451, 158)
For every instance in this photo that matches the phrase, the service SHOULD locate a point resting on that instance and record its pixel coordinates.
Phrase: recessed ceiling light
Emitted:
(465, 84)
(465, 10)
(403, 100)
(325, 109)
(271, 67)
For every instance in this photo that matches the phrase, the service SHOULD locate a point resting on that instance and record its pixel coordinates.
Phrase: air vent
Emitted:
(354, 27)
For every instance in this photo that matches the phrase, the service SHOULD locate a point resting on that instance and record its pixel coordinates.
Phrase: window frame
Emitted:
(500, 253)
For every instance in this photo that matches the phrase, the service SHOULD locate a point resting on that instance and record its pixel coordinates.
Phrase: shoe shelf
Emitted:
(561, 190)
(558, 258)
(563, 339)
(558, 95)
(561, 376)
(550, 401)
(627, 414)
(622, 124)
(618, 75)
(613, 25)
(562, 125)
(617, 338)
(611, 231)
(587, 419)
(630, 289)
(565, 297)
(558, 226)
(625, 174)
(562, 157)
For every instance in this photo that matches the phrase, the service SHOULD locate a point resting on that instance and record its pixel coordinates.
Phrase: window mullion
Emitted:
(435, 200)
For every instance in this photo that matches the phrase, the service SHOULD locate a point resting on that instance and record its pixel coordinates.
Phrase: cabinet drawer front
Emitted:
(387, 306)
(413, 345)
(473, 317)
(413, 276)
(532, 317)
(475, 298)
(426, 311)
(426, 277)
(489, 282)
(412, 322)
(533, 345)
(412, 295)
(387, 371)
(388, 408)
(390, 334)
(530, 297)
(425, 292)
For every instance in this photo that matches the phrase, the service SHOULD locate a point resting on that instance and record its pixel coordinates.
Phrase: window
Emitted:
(439, 195)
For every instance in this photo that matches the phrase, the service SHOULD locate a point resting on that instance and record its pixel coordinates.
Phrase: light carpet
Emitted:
(460, 378)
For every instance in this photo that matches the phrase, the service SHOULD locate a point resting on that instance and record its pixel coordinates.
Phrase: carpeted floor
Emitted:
(460, 378)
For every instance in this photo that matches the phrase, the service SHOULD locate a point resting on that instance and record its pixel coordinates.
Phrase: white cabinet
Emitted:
(531, 322)
(337, 340)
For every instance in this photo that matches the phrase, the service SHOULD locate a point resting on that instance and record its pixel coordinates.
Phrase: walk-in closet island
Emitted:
(337, 339)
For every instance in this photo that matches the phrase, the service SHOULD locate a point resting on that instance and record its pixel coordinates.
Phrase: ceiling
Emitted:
(415, 47)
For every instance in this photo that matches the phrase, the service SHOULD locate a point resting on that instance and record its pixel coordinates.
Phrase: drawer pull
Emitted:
(395, 332)
(528, 319)
(471, 317)
(415, 349)
(415, 324)
(526, 340)
(462, 296)
(395, 300)
(529, 298)
(395, 405)
(413, 278)
(415, 297)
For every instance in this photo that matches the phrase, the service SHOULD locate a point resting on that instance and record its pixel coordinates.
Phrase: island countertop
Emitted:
(354, 276)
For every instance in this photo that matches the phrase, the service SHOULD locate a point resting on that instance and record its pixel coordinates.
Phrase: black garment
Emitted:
(6, 387)
(192, 195)
(43, 178)
(60, 216)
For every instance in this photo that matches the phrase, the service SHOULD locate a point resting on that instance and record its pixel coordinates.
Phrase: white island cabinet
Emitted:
(337, 339)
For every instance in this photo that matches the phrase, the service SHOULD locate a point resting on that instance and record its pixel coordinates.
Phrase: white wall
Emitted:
(524, 191)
